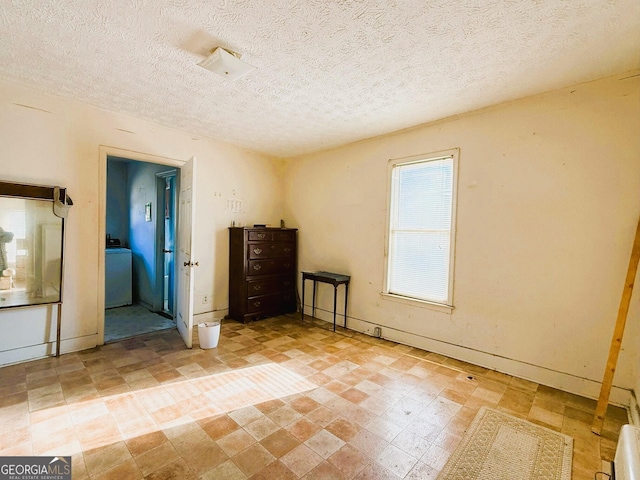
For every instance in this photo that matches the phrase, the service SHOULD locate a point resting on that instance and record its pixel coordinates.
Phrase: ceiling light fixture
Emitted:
(226, 63)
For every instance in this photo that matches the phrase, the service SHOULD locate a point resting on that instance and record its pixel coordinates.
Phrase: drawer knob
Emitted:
(287, 249)
(257, 288)
(256, 303)
(287, 265)
(257, 266)
(257, 251)
(262, 235)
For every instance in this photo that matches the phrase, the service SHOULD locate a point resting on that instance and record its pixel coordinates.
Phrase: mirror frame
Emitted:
(46, 193)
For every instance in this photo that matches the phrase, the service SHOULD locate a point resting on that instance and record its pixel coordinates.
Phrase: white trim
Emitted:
(560, 380)
(454, 154)
(46, 350)
(414, 302)
(566, 382)
(104, 152)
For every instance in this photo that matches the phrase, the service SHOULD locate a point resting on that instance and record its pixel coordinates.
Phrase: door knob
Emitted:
(167, 251)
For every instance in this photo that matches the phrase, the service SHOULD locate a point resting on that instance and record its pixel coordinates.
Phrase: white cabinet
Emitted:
(118, 277)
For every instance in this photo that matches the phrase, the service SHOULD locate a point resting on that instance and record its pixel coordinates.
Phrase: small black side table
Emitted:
(334, 279)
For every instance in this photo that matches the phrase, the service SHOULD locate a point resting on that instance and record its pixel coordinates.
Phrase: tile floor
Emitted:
(132, 320)
(278, 399)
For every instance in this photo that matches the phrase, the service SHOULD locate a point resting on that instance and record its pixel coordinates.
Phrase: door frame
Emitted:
(161, 233)
(106, 151)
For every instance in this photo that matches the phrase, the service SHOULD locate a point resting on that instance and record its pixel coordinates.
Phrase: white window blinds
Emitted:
(420, 234)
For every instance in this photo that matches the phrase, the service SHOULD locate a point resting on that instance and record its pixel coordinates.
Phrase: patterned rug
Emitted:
(498, 446)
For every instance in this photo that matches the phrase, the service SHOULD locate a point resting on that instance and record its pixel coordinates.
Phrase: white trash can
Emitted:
(209, 334)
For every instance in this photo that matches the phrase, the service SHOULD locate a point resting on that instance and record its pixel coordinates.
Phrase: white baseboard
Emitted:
(80, 343)
(551, 378)
(209, 316)
(48, 349)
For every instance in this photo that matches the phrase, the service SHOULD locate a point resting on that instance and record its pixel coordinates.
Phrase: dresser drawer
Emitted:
(269, 267)
(271, 235)
(259, 236)
(277, 302)
(270, 285)
(284, 236)
(269, 250)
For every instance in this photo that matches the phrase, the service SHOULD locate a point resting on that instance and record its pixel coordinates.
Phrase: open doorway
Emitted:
(166, 237)
(140, 231)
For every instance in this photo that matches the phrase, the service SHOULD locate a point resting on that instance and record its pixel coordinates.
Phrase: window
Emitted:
(422, 227)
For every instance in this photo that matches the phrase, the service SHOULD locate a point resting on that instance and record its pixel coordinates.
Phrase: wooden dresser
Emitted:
(262, 272)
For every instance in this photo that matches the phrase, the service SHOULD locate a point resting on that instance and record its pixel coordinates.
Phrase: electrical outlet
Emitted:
(205, 299)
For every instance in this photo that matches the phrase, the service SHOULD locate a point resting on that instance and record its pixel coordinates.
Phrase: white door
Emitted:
(186, 263)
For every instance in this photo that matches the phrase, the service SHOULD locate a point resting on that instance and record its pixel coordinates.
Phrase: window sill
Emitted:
(439, 307)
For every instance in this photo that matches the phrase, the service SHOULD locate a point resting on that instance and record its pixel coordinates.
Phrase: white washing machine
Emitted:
(117, 277)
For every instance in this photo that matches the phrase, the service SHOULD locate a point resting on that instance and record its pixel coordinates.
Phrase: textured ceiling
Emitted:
(329, 72)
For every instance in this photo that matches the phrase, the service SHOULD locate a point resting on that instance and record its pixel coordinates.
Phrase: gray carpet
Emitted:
(125, 322)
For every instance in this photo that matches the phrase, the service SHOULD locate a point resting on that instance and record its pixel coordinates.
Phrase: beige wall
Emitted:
(547, 206)
(549, 197)
(63, 145)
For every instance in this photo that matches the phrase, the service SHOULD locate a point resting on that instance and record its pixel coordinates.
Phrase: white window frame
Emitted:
(448, 305)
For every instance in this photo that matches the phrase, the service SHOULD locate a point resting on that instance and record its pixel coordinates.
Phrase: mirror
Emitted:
(30, 252)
